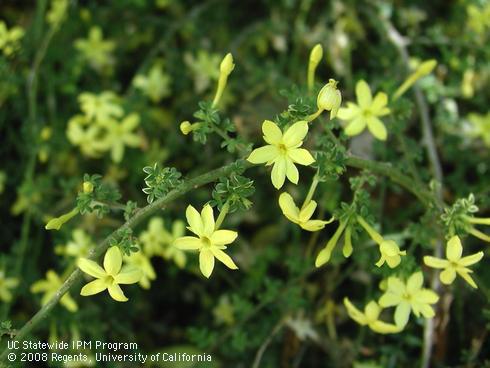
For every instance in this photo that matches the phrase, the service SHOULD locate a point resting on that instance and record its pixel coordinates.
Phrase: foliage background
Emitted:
(270, 40)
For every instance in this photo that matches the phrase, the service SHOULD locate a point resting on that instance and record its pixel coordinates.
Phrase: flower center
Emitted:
(283, 150)
(109, 280)
(206, 241)
(406, 296)
(367, 113)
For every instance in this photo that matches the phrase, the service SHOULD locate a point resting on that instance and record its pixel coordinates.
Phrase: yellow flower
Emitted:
(6, 284)
(455, 263)
(120, 134)
(301, 217)
(78, 247)
(407, 297)
(283, 151)
(10, 39)
(140, 261)
(210, 242)
(390, 252)
(57, 222)
(156, 85)
(109, 277)
(366, 112)
(50, 287)
(370, 317)
(101, 107)
(96, 51)
(87, 138)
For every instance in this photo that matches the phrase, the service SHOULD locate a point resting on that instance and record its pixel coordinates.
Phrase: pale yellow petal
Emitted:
(291, 171)
(91, 268)
(188, 243)
(466, 276)
(94, 287)
(272, 133)
(435, 262)
(224, 258)
(301, 156)
(194, 220)
(396, 286)
(307, 211)
(116, 293)
(355, 127)
(471, 259)
(288, 207)
(223, 237)
(372, 311)
(313, 225)
(128, 275)
(68, 302)
(355, 313)
(389, 300)
(454, 249)
(383, 327)
(447, 276)
(206, 262)
(415, 282)
(393, 261)
(402, 313)
(263, 154)
(207, 218)
(377, 128)
(350, 112)
(363, 94)
(278, 174)
(379, 103)
(295, 134)
(113, 260)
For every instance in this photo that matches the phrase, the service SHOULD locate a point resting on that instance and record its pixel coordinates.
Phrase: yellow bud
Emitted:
(185, 127)
(227, 65)
(426, 67)
(329, 98)
(46, 133)
(422, 70)
(57, 222)
(88, 187)
(316, 54)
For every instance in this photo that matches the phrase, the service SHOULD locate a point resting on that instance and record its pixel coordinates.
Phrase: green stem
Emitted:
(309, 196)
(222, 214)
(76, 276)
(477, 220)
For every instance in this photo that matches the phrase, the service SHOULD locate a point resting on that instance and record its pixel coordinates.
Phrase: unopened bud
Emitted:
(227, 65)
(88, 187)
(329, 98)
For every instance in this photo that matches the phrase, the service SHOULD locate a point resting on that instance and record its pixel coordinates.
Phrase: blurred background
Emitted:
(141, 67)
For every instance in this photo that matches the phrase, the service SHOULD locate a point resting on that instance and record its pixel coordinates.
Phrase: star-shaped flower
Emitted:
(120, 134)
(407, 297)
(49, 287)
(210, 242)
(366, 112)
(301, 216)
(109, 277)
(370, 317)
(455, 263)
(283, 151)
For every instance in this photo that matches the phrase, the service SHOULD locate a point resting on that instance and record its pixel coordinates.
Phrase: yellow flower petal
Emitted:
(313, 225)
(383, 327)
(206, 262)
(116, 293)
(288, 207)
(379, 103)
(68, 302)
(454, 249)
(91, 268)
(355, 313)
(372, 311)
(377, 128)
(223, 237)
(363, 94)
(94, 287)
(355, 127)
(224, 258)
(295, 134)
(466, 276)
(263, 154)
(272, 133)
(195, 221)
(350, 112)
(447, 276)
(415, 282)
(435, 262)
(291, 171)
(113, 261)
(187, 243)
(128, 275)
(301, 156)
(278, 174)
(389, 300)
(426, 296)
(207, 218)
(307, 211)
(471, 259)
(402, 313)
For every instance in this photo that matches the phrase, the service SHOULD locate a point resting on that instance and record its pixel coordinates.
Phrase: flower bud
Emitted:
(57, 222)
(227, 66)
(329, 98)
(185, 127)
(88, 187)
(316, 54)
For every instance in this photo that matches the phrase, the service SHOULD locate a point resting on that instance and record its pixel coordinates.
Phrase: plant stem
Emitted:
(222, 215)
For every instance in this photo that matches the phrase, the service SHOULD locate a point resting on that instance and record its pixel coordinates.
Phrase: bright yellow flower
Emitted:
(96, 51)
(370, 317)
(156, 85)
(390, 251)
(283, 151)
(407, 297)
(50, 287)
(6, 284)
(301, 217)
(109, 277)
(140, 261)
(455, 263)
(366, 112)
(101, 107)
(120, 134)
(210, 242)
